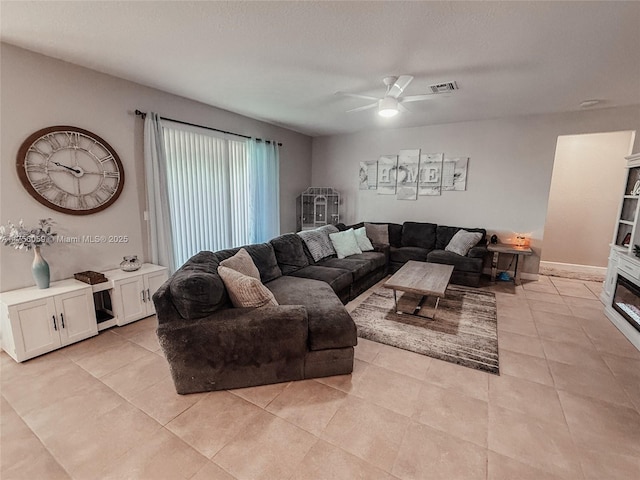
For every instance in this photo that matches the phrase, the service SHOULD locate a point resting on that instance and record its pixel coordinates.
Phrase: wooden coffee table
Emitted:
(421, 278)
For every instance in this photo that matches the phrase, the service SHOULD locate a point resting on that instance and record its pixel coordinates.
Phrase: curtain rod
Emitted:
(144, 114)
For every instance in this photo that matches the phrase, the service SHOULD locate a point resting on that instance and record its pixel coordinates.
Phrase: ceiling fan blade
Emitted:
(357, 95)
(400, 85)
(417, 98)
(366, 107)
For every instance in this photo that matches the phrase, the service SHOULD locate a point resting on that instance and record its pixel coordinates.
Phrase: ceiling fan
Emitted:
(392, 102)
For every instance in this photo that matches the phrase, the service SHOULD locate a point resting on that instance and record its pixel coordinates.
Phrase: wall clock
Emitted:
(70, 170)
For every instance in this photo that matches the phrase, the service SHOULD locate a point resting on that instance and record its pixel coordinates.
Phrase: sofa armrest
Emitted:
(478, 252)
(269, 317)
(382, 248)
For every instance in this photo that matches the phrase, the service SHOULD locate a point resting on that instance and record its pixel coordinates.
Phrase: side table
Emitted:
(498, 248)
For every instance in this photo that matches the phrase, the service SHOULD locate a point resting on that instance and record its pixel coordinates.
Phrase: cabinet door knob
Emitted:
(55, 327)
(148, 295)
(143, 298)
(62, 319)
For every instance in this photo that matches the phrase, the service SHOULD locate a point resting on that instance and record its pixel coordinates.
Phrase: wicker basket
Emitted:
(90, 277)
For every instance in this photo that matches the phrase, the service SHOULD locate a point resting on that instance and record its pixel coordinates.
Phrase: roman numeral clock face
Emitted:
(70, 170)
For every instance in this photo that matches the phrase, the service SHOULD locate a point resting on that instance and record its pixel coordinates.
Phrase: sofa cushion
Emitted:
(395, 234)
(419, 234)
(265, 259)
(460, 263)
(243, 263)
(404, 254)
(377, 233)
(462, 242)
(318, 243)
(289, 252)
(330, 325)
(358, 267)
(345, 243)
(377, 259)
(245, 291)
(363, 241)
(263, 256)
(337, 278)
(197, 294)
(444, 234)
(196, 288)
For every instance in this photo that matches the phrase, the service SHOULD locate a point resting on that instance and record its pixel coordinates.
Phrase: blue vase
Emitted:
(40, 269)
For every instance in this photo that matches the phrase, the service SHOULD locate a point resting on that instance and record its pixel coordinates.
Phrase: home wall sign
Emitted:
(70, 170)
(411, 174)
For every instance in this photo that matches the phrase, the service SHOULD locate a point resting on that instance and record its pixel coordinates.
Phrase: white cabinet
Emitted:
(35, 321)
(132, 292)
(38, 321)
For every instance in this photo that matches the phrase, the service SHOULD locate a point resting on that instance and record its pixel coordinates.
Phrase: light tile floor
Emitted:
(566, 405)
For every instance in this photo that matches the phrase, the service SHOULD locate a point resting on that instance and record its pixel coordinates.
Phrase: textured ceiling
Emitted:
(282, 62)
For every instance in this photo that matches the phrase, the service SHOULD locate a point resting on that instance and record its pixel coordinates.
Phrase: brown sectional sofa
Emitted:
(210, 345)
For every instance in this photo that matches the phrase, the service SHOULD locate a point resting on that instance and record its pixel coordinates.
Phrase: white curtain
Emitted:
(264, 160)
(208, 191)
(160, 231)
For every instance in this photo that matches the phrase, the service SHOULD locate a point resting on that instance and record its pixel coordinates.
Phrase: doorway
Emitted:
(586, 185)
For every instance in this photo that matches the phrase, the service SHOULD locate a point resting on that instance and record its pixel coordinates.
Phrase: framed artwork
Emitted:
(407, 173)
(387, 174)
(430, 178)
(454, 173)
(369, 175)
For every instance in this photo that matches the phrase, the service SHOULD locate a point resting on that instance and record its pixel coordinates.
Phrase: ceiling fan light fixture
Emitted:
(388, 107)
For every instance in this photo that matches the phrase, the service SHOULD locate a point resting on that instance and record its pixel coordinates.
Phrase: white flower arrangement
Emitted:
(21, 238)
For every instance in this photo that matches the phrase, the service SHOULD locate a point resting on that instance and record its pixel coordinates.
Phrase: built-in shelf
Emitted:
(622, 262)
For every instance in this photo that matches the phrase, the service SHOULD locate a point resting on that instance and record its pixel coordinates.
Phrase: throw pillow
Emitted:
(244, 290)
(345, 243)
(377, 233)
(318, 243)
(243, 263)
(462, 242)
(363, 241)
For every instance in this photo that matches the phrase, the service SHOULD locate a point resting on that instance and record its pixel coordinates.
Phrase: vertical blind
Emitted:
(209, 194)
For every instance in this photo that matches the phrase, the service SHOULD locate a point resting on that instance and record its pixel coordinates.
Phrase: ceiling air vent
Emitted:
(444, 87)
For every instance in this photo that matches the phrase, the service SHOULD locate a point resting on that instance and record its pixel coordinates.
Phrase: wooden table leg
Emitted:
(494, 266)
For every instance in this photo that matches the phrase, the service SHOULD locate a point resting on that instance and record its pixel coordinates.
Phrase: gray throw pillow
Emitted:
(318, 242)
(377, 233)
(462, 242)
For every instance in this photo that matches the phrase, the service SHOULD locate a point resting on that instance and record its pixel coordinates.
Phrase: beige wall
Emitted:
(39, 91)
(509, 175)
(586, 187)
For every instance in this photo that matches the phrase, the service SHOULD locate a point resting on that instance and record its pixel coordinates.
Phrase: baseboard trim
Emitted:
(570, 270)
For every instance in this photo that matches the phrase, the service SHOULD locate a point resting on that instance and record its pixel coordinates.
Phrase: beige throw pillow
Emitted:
(244, 290)
(378, 234)
(243, 263)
